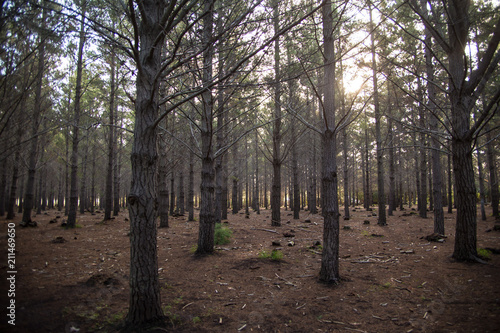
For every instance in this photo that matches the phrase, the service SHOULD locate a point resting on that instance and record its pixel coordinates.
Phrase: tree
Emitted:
(464, 88)
(73, 197)
(276, 159)
(111, 138)
(329, 271)
(378, 136)
(30, 185)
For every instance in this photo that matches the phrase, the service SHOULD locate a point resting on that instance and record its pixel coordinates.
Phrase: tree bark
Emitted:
(190, 199)
(172, 191)
(450, 192)
(207, 188)
(346, 176)
(15, 168)
(276, 160)
(145, 302)
(83, 180)
(492, 168)
(368, 198)
(235, 180)
(481, 183)
(329, 271)
(3, 187)
(181, 198)
(461, 143)
(256, 193)
(37, 110)
(73, 196)
(378, 136)
(313, 205)
(109, 175)
(163, 195)
(422, 194)
(392, 170)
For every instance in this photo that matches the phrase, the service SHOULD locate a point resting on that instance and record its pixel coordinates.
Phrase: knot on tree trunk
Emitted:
(133, 198)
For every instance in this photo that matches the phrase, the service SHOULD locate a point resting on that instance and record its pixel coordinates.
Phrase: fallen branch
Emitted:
(268, 230)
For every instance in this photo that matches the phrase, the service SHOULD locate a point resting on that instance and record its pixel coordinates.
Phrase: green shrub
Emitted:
(484, 253)
(275, 255)
(222, 234)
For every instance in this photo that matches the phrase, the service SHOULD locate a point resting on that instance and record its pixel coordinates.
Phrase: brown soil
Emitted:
(397, 282)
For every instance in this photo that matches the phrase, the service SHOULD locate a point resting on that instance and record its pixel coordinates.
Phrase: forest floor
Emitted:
(392, 279)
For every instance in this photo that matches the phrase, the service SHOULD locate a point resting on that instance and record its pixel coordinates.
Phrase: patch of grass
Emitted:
(193, 248)
(365, 233)
(222, 234)
(483, 253)
(275, 255)
(196, 320)
(386, 285)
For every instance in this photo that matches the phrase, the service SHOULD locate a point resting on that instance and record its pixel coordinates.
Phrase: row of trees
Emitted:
(402, 95)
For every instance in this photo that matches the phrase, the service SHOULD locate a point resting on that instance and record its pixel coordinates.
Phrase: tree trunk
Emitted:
(235, 180)
(313, 204)
(116, 174)
(462, 140)
(329, 271)
(3, 187)
(111, 144)
(66, 169)
(256, 192)
(92, 191)
(276, 160)
(490, 158)
(15, 168)
(39, 203)
(83, 181)
(378, 136)
(172, 191)
(450, 192)
(190, 199)
(60, 196)
(145, 302)
(422, 194)
(247, 193)
(37, 109)
(392, 170)
(73, 197)
(437, 182)
(481, 183)
(266, 203)
(368, 197)
(465, 233)
(207, 189)
(346, 175)
(163, 195)
(181, 198)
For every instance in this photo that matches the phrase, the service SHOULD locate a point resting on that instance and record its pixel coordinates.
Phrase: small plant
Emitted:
(386, 285)
(264, 254)
(484, 253)
(275, 255)
(115, 318)
(193, 248)
(196, 320)
(365, 233)
(222, 234)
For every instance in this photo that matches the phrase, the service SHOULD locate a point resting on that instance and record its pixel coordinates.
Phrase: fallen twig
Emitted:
(268, 230)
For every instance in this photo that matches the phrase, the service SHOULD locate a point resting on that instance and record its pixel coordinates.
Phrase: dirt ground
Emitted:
(392, 279)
